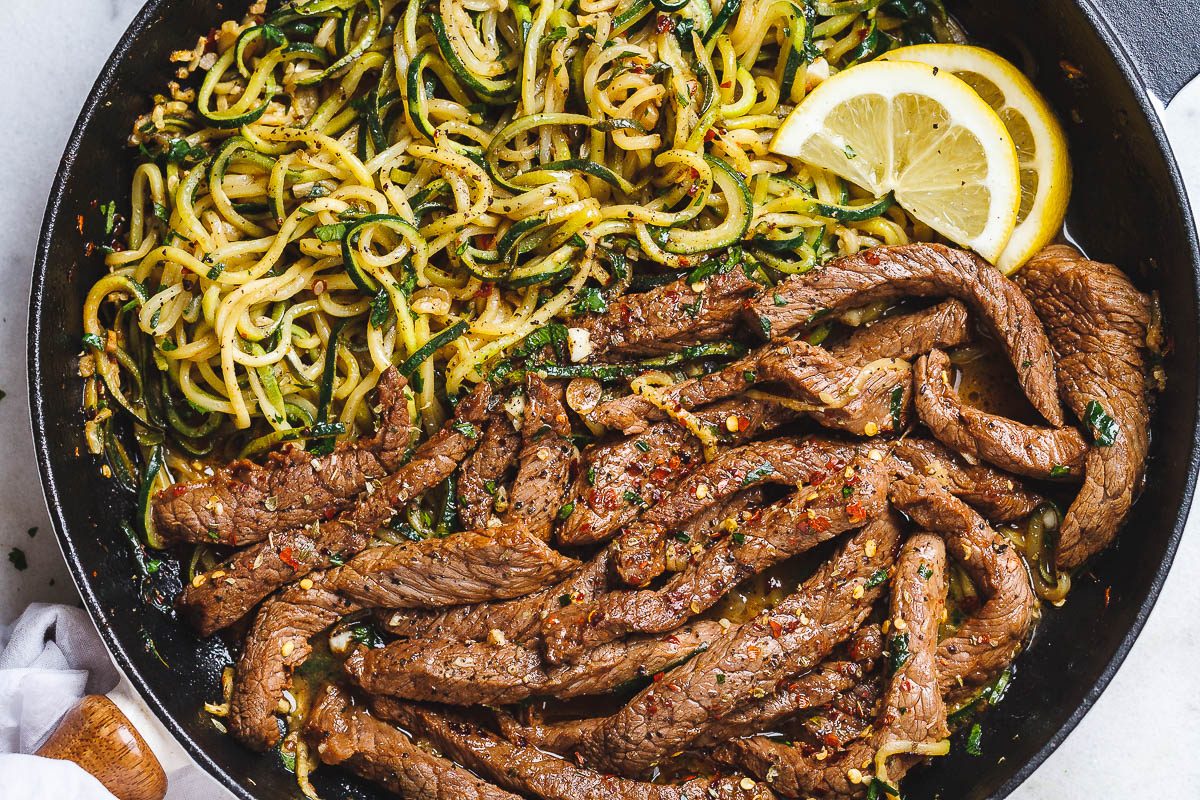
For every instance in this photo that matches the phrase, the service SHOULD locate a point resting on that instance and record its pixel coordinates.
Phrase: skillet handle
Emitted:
(1162, 38)
(97, 736)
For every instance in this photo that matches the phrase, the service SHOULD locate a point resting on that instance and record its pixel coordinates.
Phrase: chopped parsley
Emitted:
(683, 537)
(738, 537)
(18, 559)
(215, 271)
(331, 233)
(591, 476)
(757, 474)
(974, 740)
(590, 300)
(924, 571)
(778, 299)
(643, 445)
(564, 600)
(849, 151)
(1058, 470)
(896, 406)
(898, 645)
(381, 306)
(877, 577)
(466, 429)
(1103, 427)
(633, 498)
(720, 677)
(366, 634)
(750, 376)
(878, 790)
(109, 210)
(847, 491)
(565, 510)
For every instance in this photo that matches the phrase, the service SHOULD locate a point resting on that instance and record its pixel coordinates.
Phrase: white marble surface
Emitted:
(1141, 738)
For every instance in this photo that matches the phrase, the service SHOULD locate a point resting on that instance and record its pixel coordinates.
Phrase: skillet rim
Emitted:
(1146, 103)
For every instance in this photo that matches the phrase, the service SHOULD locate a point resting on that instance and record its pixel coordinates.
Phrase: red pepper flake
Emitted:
(776, 629)
(743, 423)
(684, 261)
(820, 524)
(79, 224)
(727, 84)
(856, 512)
(664, 24)
(1107, 595)
(484, 290)
(710, 134)
(285, 555)
(872, 258)
(329, 513)
(658, 676)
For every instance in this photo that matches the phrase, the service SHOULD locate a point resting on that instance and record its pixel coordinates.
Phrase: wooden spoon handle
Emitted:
(97, 736)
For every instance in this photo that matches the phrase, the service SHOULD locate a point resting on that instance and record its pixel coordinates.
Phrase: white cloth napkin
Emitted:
(49, 658)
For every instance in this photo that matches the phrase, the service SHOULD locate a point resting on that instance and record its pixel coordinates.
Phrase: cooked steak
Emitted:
(1098, 323)
(1038, 452)
(989, 639)
(484, 471)
(753, 660)
(907, 336)
(547, 455)
(492, 673)
(343, 733)
(519, 620)
(837, 395)
(278, 643)
(843, 501)
(997, 496)
(913, 709)
(621, 479)
(468, 567)
(245, 502)
(220, 597)
(534, 773)
(669, 317)
(927, 270)
(788, 461)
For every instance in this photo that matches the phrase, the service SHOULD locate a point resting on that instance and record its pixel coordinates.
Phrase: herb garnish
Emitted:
(1103, 427)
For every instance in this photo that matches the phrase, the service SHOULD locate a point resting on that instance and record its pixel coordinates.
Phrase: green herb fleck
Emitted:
(849, 151)
(590, 301)
(720, 677)
(757, 474)
(682, 537)
(750, 376)
(633, 498)
(1059, 470)
(924, 571)
(877, 577)
(975, 740)
(738, 537)
(466, 429)
(380, 308)
(779, 299)
(160, 211)
(564, 600)
(1103, 427)
(643, 445)
(898, 645)
(896, 406)
(565, 510)
(591, 476)
(215, 271)
(331, 233)
(109, 210)
(366, 634)
(847, 491)
(17, 557)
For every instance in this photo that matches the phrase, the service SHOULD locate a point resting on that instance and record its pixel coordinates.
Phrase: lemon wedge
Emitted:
(1041, 146)
(921, 133)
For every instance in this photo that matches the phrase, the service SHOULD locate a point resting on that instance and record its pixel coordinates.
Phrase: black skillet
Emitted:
(1104, 65)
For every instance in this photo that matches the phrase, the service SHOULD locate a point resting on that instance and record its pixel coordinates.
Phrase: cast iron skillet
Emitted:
(1104, 64)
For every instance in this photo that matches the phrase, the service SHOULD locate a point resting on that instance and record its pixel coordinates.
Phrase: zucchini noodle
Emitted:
(350, 180)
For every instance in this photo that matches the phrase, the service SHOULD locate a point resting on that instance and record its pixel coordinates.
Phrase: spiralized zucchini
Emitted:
(352, 184)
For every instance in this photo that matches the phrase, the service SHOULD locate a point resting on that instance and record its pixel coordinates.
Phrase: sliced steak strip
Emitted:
(469, 567)
(1037, 452)
(837, 395)
(345, 734)
(220, 597)
(487, 673)
(621, 479)
(926, 270)
(534, 773)
(988, 640)
(278, 643)
(907, 336)
(823, 686)
(1098, 324)
(518, 620)
(754, 659)
(670, 317)
(913, 709)
(641, 553)
(245, 502)
(814, 514)
(484, 471)
(546, 457)
(996, 495)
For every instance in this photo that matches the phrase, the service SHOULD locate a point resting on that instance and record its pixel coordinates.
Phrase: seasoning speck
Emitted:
(18, 559)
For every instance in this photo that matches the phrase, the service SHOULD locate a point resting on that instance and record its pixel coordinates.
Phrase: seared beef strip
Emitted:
(927, 270)
(499, 673)
(997, 496)
(278, 643)
(852, 398)
(668, 318)
(343, 733)
(546, 458)
(484, 471)
(621, 479)
(220, 597)
(815, 514)
(1038, 452)
(518, 620)
(534, 773)
(469, 567)
(245, 502)
(913, 709)
(907, 336)
(1098, 323)
(824, 685)
(988, 640)
(752, 660)
(641, 553)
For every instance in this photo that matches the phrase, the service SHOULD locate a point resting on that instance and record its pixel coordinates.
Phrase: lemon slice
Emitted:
(1041, 146)
(920, 132)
